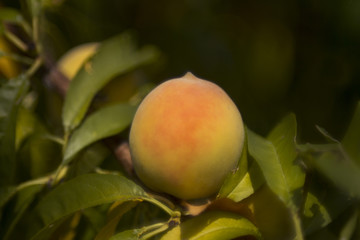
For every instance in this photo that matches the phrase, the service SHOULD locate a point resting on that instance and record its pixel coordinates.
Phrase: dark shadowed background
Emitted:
(271, 57)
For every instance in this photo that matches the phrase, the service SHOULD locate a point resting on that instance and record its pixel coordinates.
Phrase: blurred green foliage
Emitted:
(271, 57)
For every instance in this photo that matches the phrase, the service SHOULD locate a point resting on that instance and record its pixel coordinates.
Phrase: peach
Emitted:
(186, 136)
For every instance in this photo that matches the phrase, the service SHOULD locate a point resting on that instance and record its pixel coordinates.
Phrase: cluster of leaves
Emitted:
(282, 189)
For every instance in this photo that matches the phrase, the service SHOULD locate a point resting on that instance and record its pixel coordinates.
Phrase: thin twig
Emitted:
(34, 67)
(16, 41)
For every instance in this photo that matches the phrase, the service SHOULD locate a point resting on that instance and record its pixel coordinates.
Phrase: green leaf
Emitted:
(87, 160)
(334, 163)
(45, 233)
(104, 123)
(323, 201)
(10, 95)
(270, 214)
(87, 191)
(25, 197)
(10, 15)
(213, 225)
(6, 193)
(234, 179)
(276, 157)
(91, 190)
(127, 235)
(283, 137)
(317, 212)
(108, 230)
(351, 141)
(26, 125)
(244, 182)
(95, 216)
(264, 152)
(342, 171)
(323, 204)
(115, 56)
(252, 181)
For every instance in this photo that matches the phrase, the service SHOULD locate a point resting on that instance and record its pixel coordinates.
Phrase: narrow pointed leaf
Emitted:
(10, 95)
(115, 56)
(86, 191)
(104, 123)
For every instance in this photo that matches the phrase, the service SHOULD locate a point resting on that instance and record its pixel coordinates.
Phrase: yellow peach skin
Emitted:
(186, 136)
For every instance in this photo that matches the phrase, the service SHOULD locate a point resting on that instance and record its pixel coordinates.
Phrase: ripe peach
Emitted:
(186, 136)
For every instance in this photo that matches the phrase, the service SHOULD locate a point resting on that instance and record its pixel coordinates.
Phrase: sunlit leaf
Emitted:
(265, 154)
(317, 212)
(10, 95)
(283, 137)
(251, 181)
(213, 225)
(270, 214)
(115, 56)
(105, 122)
(276, 157)
(235, 178)
(322, 206)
